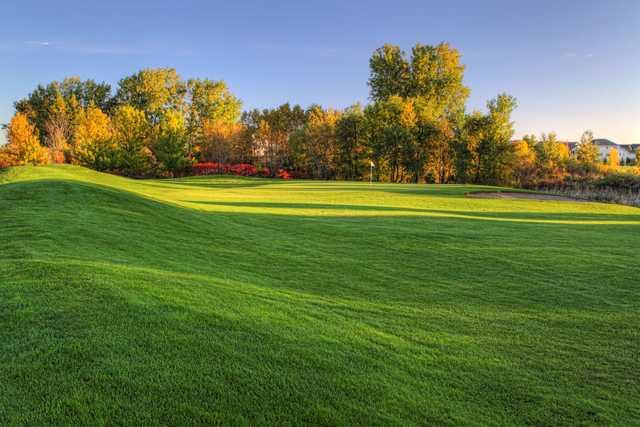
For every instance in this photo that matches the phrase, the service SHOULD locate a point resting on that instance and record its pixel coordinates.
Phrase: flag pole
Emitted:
(371, 174)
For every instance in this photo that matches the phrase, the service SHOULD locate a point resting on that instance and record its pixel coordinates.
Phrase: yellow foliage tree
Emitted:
(552, 157)
(24, 144)
(93, 144)
(564, 153)
(132, 136)
(524, 162)
(58, 128)
(170, 144)
(221, 141)
(441, 161)
(613, 161)
(314, 147)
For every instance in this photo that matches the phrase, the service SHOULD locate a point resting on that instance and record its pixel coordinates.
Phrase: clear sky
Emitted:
(572, 65)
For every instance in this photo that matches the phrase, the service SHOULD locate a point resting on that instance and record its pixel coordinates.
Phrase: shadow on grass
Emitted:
(462, 297)
(274, 207)
(216, 182)
(472, 215)
(230, 182)
(382, 258)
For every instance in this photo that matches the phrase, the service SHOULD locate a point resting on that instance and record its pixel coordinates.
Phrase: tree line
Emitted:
(415, 129)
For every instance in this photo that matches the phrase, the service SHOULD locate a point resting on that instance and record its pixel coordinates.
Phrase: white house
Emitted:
(626, 153)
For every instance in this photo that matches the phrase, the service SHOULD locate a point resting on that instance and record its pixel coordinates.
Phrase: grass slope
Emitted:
(251, 301)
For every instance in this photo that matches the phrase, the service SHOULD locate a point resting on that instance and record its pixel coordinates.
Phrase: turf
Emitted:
(251, 301)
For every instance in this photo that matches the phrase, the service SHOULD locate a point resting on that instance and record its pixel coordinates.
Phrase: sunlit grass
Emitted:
(221, 299)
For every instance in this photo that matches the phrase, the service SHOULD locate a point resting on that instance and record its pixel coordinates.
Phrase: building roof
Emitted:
(603, 141)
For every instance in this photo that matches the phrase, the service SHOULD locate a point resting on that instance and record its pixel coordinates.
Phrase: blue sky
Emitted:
(572, 65)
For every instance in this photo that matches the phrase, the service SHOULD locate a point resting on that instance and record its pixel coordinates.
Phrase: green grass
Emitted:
(251, 301)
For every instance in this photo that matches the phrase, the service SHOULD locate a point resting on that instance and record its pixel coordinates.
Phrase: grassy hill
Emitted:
(253, 301)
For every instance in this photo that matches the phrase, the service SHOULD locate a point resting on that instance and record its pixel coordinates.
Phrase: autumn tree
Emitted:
(390, 73)
(433, 72)
(351, 144)
(222, 141)
(93, 145)
(24, 146)
(169, 145)
(392, 133)
(437, 75)
(269, 132)
(59, 130)
(209, 101)
(153, 91)
(531, 140)
(441, 155)
(212, 100)
(431, 83)
(483, 144)
(552, 157)
(132, 138)
(466, 144)
(587, 153)
(313, 147)
(524, 165)
(43, 105)
(613, 160)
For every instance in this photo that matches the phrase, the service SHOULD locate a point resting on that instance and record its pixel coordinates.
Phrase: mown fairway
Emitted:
(248, 301)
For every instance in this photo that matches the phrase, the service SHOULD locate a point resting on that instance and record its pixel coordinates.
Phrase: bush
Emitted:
(284, 174)
(238, 169)
(210, 168)
(619, 181)
(243, 169)
(621, 188)
(4, 163)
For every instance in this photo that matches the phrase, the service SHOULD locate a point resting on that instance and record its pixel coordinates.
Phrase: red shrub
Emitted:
(239, 169)
(284, 174)
(210, 168)
(243, 169)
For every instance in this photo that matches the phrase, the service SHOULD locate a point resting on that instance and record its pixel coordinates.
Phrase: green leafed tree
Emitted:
(495, 149)
(43, 105)
(93, 145)
(212, 100)
(352, 152)
(269, 133)
(392, 133)
(170, 144)
(434, 73)
(153, 91)
(552, 157)
(484, 152)
(313, 147)
(587, 153)
(390, 73)
(132, 137)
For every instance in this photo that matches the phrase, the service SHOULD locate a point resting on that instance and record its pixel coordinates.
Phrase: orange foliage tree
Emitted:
(524, 156)
(93, 144)
(222, 141)
(24, 144)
